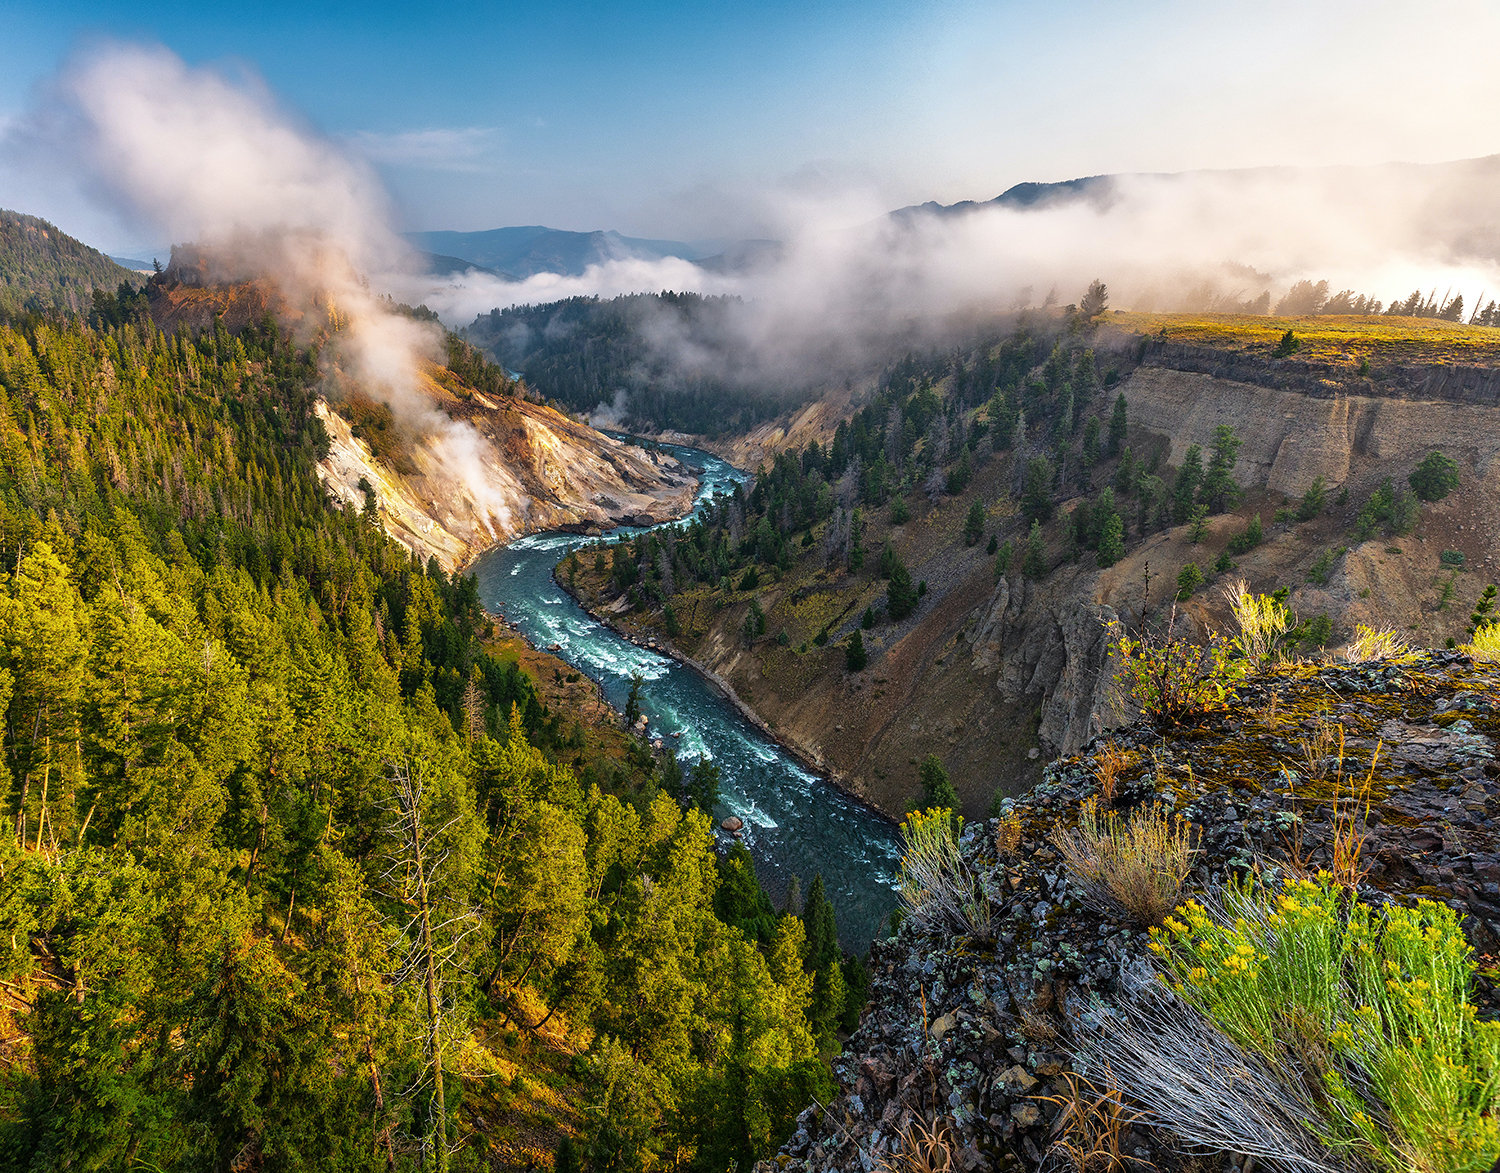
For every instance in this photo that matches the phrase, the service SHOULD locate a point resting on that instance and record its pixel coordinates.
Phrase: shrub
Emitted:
(1434, 478)
(1264, 624)
(1189, 579)
(1366, 1009)
(938, 889)
(1248, 538)
(900, 511)
(1288, 346)
(1136, 867)
(1172, 679)
(1486, 644)
(1370, 644)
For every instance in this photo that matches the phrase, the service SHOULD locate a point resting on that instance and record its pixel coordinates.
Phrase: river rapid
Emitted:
(796, 822)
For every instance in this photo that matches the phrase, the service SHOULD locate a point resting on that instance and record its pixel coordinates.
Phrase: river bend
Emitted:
(796, 822)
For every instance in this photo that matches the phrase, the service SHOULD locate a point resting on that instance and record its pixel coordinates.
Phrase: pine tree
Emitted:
(1118, 425)
(974, 523)
(901, 595)
(1111, 539)
(937, 789)
(1035, 564)
(855, 657)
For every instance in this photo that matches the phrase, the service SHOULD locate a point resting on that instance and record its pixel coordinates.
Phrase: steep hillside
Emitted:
(43, 268)
(1022, 1025)
(996, 669)
(460, 468)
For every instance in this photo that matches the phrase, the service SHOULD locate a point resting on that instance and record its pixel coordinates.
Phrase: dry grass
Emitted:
(1324, 743)
(1135, 866)
(1090, 1126)
(1008, 835)
(1109, 764)
(1196, 1082)
(1370, 644)
(1037, 1021)
(925, 1148)
(1322, 759)
(1351, 824)
(1328, 338)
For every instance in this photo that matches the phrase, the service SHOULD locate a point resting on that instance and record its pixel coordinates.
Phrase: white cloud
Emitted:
(457, 149)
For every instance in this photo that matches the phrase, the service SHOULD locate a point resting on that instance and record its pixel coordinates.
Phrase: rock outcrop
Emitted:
(521, 467)
(974, 1040)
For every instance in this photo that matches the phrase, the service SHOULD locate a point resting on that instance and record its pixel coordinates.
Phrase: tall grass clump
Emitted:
(1134, 866)
(1263, 625)
(1370, 644)
(938, 888)
(1486, 644)
(1363, 1014)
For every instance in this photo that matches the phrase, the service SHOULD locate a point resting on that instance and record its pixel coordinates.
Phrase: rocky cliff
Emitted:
(519, 467)
(998, 676)
(968, 1051)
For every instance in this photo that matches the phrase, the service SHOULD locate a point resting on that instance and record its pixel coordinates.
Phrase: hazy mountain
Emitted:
(523, 251)
(44, 268)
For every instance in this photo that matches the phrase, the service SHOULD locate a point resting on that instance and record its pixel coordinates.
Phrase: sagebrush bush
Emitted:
(938, 887)
(1134, 866)
(1367, 1009)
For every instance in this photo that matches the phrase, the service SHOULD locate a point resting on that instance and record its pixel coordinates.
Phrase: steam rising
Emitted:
(196, 156)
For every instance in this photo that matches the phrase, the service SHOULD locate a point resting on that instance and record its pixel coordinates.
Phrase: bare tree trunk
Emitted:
(434, 1002)
(41, 818)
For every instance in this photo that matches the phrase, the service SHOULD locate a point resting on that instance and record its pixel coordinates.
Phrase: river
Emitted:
(796, 822)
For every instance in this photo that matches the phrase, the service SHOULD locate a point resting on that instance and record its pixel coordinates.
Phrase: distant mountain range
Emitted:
(521, 252)
(517, 253)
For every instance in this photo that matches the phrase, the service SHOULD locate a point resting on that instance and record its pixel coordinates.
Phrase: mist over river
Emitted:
(796, 822)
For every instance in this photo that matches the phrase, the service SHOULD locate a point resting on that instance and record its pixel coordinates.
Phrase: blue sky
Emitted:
(701, 120)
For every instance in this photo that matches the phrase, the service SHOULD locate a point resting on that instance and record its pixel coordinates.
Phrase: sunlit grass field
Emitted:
(1331, 339)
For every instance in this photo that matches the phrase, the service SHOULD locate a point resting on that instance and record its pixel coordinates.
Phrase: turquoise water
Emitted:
(796, 823)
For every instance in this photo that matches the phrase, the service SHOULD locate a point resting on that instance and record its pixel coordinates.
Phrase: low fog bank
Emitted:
(847, 291)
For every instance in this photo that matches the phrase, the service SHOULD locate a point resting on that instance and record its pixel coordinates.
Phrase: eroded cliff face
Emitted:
(997, 676)
(515, 467)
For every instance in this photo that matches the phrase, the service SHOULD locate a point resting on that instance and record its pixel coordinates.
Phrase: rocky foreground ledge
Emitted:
(968, 1038)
